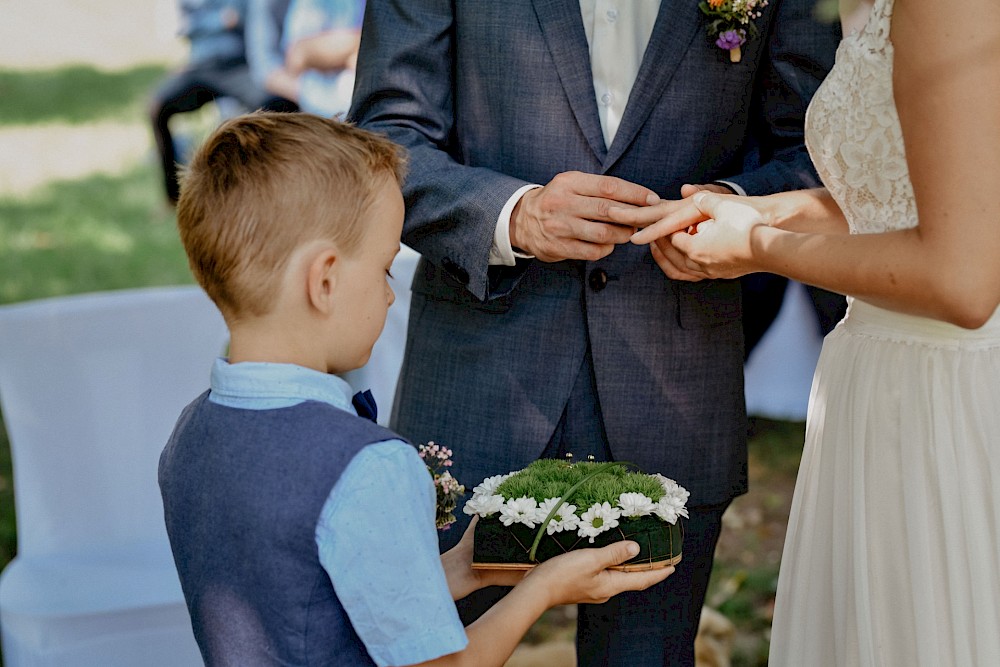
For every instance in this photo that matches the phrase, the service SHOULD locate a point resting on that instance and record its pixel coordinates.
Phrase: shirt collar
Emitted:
(257, 385)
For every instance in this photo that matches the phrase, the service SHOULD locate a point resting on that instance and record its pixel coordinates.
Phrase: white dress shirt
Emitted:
(617, 32)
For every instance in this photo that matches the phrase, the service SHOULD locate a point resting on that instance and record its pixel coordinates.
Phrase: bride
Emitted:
(893, 549)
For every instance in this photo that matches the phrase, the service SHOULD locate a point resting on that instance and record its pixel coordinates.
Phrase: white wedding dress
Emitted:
(892, 556)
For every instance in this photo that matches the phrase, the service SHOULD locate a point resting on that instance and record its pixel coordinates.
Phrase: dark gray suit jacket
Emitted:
(488, 96)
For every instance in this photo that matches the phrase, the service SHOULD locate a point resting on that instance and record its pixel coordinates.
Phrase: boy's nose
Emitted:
(390, 294)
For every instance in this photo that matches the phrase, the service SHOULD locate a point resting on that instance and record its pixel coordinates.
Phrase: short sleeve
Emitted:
(378, 543)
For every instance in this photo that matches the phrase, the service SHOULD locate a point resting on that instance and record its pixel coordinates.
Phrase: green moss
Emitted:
(604, 482)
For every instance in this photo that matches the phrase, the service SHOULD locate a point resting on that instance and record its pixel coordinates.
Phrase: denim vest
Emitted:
(242, 492)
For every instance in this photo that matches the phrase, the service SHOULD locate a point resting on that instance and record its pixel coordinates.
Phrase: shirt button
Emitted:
(612, 15)
(607, 98)
(598, 279)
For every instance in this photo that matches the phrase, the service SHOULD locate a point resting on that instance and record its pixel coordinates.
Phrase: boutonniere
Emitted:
(732, 23)
(438, 459)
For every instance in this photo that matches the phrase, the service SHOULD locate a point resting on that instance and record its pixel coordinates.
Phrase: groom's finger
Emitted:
(609, 188)
(672, 262)
(601, 233)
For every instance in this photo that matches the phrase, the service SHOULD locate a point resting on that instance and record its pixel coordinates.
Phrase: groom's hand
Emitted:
(568, 218)
(664, 218)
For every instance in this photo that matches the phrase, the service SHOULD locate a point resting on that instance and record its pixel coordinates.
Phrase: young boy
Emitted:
(303, 533)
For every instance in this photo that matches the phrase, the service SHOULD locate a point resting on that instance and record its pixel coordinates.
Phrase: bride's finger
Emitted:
(681, 218)
(638, 216)
(727, 207)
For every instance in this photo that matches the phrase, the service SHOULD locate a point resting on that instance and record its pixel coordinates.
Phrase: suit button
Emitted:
(598, 279)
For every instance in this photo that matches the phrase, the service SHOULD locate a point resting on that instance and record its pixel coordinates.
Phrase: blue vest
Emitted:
(242, 491)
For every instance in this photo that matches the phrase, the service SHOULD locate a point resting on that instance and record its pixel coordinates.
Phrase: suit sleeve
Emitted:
(799, 53)
(404, 89)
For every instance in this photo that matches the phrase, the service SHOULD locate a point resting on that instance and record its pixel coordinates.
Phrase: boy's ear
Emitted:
(321, 279)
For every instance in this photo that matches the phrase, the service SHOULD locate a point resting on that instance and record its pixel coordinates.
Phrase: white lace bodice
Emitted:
(853, 133)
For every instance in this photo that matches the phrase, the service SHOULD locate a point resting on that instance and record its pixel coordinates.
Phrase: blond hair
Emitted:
(265, 183)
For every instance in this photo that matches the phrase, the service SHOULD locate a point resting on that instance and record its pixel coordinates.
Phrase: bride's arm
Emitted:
(947, 63)
(812, 210)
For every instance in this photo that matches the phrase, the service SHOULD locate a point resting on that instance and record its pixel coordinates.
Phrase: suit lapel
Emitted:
(562, 26)
(676, 25)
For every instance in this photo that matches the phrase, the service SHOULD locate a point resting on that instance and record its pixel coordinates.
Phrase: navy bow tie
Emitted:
(364, 403)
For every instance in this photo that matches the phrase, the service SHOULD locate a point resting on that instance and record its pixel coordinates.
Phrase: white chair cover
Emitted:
(779, 372)
(90, 388)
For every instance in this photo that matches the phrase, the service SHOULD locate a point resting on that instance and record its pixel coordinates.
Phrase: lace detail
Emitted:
(853, 132)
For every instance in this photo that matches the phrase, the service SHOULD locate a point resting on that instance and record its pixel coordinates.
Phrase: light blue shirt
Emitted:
(202, 24)
(264, 25)
(375, 534)
(324, 93)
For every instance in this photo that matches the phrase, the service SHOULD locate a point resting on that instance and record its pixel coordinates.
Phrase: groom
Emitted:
(535, 329)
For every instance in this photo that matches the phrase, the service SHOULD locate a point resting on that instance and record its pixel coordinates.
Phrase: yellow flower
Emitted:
(715, 4)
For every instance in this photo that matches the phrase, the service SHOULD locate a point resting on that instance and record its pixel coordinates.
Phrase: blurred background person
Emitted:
(216, 68)
(306, 50)
(322, 39)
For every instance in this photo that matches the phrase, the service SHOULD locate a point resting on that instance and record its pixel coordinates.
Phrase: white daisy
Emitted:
(671, 507)
(635, 504)
(520, 510)
(673, 490)
(565, 518)
(665, 511)
(677, 501)
(489, 486)
(483, 505)
(599, 518)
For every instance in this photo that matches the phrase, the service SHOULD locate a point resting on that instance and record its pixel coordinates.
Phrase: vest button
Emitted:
(598, 279)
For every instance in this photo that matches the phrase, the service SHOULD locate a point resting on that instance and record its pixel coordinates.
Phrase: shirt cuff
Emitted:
(735, 187)
(502, 254)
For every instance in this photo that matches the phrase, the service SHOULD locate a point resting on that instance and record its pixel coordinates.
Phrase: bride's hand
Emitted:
(720, 246)
(662, 219)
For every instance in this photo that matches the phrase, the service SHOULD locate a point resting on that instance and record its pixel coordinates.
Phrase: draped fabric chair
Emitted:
(90, 387)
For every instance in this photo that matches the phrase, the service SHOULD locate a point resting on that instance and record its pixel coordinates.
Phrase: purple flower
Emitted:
(731, 39)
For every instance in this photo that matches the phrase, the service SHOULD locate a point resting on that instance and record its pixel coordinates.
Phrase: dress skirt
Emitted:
(892, 556)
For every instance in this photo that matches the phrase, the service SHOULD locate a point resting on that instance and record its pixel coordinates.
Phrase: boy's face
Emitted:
(365, 294)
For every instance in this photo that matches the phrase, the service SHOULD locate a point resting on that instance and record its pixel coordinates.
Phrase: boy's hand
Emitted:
(462, 579)
(582, 576)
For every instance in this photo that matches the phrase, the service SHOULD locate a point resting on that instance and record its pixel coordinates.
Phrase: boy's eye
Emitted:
(388, 273)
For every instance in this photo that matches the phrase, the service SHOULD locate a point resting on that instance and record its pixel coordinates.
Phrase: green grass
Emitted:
(77, 94)
(97, 233)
